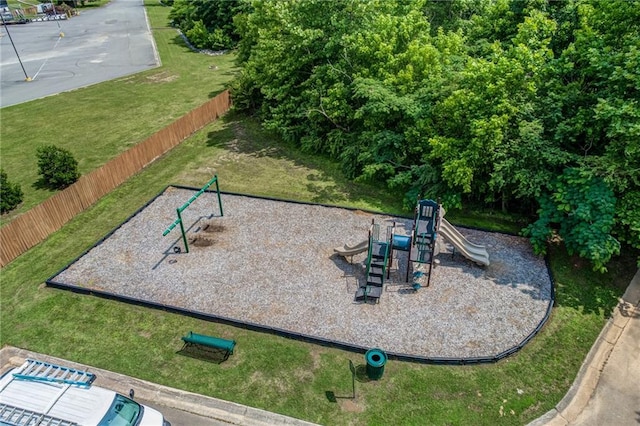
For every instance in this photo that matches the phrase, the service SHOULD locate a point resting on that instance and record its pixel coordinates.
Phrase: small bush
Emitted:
(57, 167)
(10, 193)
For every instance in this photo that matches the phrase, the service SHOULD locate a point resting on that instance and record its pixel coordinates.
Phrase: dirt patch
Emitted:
(317, 360)
(350, 406)
(212, 227)
(162, 77)
(145, 334)
(201, 239)
(303, 375)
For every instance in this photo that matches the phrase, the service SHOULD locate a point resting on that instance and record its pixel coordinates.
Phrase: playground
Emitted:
(272, 265)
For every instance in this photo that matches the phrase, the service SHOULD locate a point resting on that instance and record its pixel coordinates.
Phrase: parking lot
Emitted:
(40, 59)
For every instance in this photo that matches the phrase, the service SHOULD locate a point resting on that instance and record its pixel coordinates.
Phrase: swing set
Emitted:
(182, 208)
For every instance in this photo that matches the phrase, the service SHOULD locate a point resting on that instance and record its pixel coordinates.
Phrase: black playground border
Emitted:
(285, 333)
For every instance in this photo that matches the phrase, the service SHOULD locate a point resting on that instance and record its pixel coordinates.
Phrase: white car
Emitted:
(42, 393)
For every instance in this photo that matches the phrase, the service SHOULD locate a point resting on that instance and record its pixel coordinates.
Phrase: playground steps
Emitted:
(371, 290)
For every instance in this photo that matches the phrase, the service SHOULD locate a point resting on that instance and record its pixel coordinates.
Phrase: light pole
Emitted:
(4, 23)
(55, 17)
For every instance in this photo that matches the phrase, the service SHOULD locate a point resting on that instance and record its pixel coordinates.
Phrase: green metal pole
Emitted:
(218, 192)
(184, 235)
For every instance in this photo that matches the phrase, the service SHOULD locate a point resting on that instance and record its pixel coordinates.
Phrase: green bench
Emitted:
(216, 343)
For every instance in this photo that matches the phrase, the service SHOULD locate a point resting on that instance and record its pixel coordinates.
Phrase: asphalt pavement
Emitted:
(41, 59)
(606, 390)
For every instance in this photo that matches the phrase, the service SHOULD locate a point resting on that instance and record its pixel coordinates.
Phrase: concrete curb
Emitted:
(224, 411)
(583, 387)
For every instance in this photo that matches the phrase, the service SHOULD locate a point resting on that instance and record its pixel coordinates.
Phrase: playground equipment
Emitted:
(377, 258)
(471, 251)
(428, 223)
(421, 244)
(182, 208)
(416, 285)
(347, 250)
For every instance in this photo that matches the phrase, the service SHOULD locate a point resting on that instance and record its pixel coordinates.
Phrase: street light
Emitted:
(4, 23)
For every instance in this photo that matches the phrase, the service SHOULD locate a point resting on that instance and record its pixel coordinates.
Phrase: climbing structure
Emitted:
(421, 243)
(425, 224)
(377, 258)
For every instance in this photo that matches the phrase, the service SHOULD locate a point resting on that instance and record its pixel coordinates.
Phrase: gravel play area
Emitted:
(272, 263)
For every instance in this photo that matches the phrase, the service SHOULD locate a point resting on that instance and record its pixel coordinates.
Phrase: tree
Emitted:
(490, 104)
(57, 166)
(208, 24)
(486, 135)
(583, 209)
(10, 193)
(594, 107)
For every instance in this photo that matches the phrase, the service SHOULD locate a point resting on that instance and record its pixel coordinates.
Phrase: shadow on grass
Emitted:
(332, 397)
(41, 184)
(178, 40)
(216, 356)
(580, 288)
(324, 193)
(156, 4)
(242, 135)
(359, 374)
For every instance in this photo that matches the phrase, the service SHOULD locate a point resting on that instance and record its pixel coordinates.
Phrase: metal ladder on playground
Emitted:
(40, 371)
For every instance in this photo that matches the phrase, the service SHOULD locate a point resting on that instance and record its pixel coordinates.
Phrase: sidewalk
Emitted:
(607, 388)
(223, 412)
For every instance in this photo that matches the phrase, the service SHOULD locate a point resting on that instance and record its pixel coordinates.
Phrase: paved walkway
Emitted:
(607, 388)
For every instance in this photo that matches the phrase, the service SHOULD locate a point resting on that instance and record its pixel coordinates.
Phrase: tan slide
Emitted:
(471, 251)
(352, 250)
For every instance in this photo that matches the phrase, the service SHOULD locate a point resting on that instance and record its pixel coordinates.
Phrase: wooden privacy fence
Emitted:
(32, 227)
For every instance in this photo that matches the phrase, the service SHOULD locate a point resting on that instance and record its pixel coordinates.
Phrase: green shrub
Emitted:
(198, 35)
(10, 193)
(57, 167)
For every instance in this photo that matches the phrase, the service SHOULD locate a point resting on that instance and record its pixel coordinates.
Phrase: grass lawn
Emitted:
(266, 371)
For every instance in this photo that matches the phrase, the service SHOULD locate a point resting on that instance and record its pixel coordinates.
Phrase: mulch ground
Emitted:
(271, 263)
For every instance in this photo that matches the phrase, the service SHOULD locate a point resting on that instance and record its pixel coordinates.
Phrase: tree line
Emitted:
(530, 106)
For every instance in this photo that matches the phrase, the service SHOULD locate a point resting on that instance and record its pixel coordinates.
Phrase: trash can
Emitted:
(376, 359)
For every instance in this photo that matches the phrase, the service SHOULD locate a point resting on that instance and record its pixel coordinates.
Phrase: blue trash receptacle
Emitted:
(376, 359)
